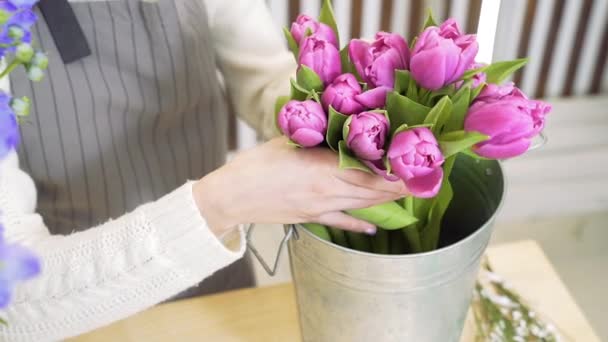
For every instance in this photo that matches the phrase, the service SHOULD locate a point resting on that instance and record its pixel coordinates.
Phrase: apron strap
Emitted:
(65, 29)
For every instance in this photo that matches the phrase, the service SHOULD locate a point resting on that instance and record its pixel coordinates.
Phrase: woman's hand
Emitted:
(278, 183)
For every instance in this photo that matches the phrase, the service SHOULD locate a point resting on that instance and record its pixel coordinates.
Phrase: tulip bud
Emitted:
(320, 30)
(415, 157)
(322, 57)
(508, 117)
(441, 55)
(365, 134)
(376, 62)
(304, 122)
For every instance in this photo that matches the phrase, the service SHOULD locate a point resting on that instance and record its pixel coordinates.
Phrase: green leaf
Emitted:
(293, 143)
(440, 203)
(389, 215)
(338, 237)
(308, 79)
(430, 21)
(359, 241)
(430, 233)
(460, 107)
(348, 161)
(334, 128)
(400, 129)
(347, 65)
(318, 230)
(297, 92)
(470, 73)
(326, 16)
(278, 104)
(313, 95)
(475, 92)
(440, 114)
(402, 81)
(291, 43)
(500, 71)
(380, 244)
(458, 141)
(447, 90)
(402, 110)
(413, 93)
(412, 236)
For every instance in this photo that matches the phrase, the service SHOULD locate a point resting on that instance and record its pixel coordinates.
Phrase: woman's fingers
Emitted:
(343, 221)
(372, 182)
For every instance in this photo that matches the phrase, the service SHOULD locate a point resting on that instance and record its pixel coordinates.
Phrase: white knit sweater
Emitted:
(106, 273)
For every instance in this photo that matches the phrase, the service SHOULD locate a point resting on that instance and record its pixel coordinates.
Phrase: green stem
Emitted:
(360, 242)
(319, 230)
(338, 236)
(10, 68)
(412, 236)
(380, 242)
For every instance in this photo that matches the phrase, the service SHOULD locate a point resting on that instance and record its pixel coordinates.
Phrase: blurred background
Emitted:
(557, 195)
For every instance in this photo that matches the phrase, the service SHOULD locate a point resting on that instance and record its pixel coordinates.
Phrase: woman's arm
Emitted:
(253, 58)
(109, 272)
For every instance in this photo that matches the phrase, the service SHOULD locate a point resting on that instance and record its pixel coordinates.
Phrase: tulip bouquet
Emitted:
(16, 19)
(404, 112)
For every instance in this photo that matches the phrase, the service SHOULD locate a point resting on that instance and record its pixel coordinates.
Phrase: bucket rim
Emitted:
(439, 251)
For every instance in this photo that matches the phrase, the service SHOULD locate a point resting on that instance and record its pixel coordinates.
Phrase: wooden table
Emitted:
(269, 313)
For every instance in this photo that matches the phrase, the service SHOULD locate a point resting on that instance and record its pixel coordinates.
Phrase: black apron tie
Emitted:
(65, 29)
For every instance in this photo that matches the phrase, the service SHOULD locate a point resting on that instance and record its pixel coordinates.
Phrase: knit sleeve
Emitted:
(106, 273)
(253, 58)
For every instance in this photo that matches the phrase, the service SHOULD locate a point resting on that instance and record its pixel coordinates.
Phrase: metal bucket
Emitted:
(347, 295)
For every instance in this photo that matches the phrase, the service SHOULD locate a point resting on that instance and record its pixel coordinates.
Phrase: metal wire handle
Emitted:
(290, 231)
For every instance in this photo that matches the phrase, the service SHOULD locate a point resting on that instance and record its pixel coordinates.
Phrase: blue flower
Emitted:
(16, 264)
(23, 3)
(9, 130)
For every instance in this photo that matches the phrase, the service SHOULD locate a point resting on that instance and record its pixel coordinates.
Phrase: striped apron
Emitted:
(130, 123)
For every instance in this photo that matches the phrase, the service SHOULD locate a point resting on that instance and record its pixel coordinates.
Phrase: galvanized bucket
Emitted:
(350, 296)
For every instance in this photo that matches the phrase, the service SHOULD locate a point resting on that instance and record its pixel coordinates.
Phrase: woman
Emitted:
(119, 133)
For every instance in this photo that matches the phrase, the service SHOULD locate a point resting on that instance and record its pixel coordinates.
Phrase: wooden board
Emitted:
(269, 313)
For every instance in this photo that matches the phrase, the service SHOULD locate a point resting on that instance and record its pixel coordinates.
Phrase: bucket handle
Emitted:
(290, 232)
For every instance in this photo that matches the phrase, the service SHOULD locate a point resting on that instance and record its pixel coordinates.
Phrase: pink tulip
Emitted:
(341, 95)
(415, 157)
(304, 22)
(321, 56)
(304, 122)
(441, 55)
(508, 117)
(376, 62)
(345, 96)
(366, 135)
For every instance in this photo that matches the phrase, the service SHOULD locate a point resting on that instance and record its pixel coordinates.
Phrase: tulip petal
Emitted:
(503, 151)
(428, 68)
(373, 98)
(426, 186)
(307, 137)
(360, 55)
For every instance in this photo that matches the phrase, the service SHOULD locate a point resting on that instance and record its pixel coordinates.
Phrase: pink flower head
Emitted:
(366, 135)
(508, 117)
(376, 62)
(415, 157)
(304, 122)
(441, 55)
